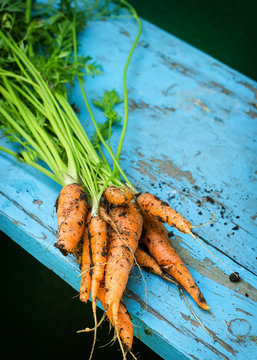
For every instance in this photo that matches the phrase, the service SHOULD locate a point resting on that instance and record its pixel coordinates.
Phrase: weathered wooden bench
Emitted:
(192, 141)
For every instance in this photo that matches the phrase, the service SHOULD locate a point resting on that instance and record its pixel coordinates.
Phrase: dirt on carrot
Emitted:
(121, 249)
(120, 258)
(98, 239)
(98, 236)
(147, 262)
(86, 265)
(117, 195)
(153, 206)
(157, 241)
(71, 208)
(125, 326)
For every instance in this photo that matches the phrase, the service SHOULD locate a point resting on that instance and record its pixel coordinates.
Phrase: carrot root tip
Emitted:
(61, 248)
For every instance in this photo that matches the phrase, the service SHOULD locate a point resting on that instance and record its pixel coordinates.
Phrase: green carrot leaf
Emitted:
(107, 104)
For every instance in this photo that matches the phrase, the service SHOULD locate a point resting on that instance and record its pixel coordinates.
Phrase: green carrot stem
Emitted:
(125, 123)
(91, 113)
(28, 11)
(100, 135)
(50, 154)
(78, 129)
(23, 133)
(33, 164)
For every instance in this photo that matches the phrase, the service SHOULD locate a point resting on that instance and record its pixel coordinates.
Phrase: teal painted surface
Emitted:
(191, 140)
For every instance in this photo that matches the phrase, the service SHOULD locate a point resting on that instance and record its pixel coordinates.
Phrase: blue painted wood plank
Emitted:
(191, 141)
(166, 317)
(199, 117)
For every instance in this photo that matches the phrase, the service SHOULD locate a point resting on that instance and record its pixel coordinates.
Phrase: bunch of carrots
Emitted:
(102, 220)
(129, 229)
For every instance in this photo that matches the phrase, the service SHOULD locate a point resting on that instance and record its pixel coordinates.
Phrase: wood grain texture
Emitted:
(191, 140)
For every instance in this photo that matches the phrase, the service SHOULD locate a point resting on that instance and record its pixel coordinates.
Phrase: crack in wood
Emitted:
(206, 268)
(250, 87)
(176, 66)
(192, 321)
(222, 343)
(252, 114)
(192, 356)
(222, 252)
(244, 312)
(146, 169)
(141, 105)
(131, 295)
(31, 215)
(210, 347)
(14, 221)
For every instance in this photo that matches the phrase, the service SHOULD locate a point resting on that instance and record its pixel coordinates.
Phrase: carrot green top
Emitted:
(38, 63)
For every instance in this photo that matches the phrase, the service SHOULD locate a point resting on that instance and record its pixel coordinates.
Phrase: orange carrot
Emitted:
(155, 207)
(149, 263)
(71, 208)
(117, 195)
(157, 241)
(146, 261)
(125, 326)
(106, 217)
(151, 205)
(86, 265)
(120, 257)
(128, 219)
(77, 252)
(97, 234)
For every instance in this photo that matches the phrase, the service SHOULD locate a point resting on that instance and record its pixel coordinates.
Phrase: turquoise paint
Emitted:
(191, 135)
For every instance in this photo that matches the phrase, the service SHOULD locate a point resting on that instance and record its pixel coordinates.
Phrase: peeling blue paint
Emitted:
(192, 141)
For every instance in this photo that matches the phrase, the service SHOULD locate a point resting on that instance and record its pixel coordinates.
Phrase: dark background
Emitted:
(224, 29)
(40, 312)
